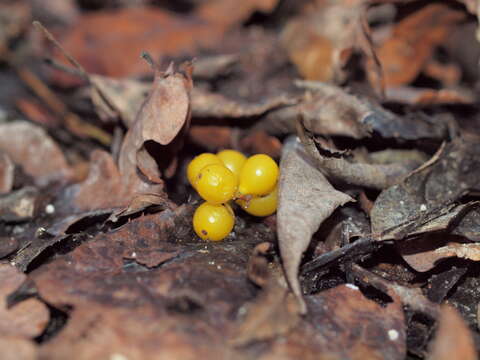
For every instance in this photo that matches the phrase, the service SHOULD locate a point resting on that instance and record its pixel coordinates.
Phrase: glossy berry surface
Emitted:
(216, 184)
(233, 160)
(198, 163)
(213, 222)
(258, 176)
(260, 205)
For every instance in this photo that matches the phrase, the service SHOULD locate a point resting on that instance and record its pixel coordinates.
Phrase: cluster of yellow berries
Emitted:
(227, 176)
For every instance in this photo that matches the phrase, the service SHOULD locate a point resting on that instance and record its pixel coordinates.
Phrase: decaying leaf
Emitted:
(19, 205)
(376, 176)
(322, 40)
(207, 104)
(274, 313)
(305, 200)
(414, 38)
(344, 324)
(28, 318)
(31, 152)
(453, 339)
(426, 197)
(163, 120)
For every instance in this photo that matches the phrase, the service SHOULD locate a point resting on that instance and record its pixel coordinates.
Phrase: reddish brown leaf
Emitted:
(28, 318)
(453, 339)
(98, 38)
(414, 38)
(343, 324)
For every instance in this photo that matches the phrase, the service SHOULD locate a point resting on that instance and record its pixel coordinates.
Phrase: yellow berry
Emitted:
(216, 184)
(258, 176)
(233, 160)
(198, 163)
(260, 205)
(213, 222)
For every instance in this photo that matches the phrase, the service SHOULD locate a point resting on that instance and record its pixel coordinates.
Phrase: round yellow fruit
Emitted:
(213, 222)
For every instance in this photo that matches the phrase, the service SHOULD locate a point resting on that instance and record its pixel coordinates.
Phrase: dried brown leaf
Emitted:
(412, 43)
(273, 313)
(99, 37)
(428, 97)
(322, 40)
(230, 12)
(208, 104)
(377, 176)
(424, 200)
(305, 200)
(453, 339)
(163, 120)
(28, 318)
(31, 152)
(344, 324)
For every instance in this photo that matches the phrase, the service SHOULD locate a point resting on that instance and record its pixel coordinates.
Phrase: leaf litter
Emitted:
(373, 252)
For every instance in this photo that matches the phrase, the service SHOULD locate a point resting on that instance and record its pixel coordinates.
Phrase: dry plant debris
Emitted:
(369, 107)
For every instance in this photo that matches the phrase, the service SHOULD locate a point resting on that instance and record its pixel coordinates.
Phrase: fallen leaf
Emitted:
(428, 97)
(27, 319)
(343, 324)
(412, 43)
(272, 314)
(321, 41)
(163, 118)
(229, 12)
(208, 104)
(376, 176)
(305, 200)
(439, 285)
(31, 152)
(99, 37)
(425, 198)
(453, 339)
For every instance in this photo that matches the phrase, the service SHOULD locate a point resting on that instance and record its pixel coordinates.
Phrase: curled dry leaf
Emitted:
(423, 201)
(376, 176)
(305, 200)
(373, 117)
(27, 319)
(31, 152)
(453, 340)
(320, 42)
(163, 119)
